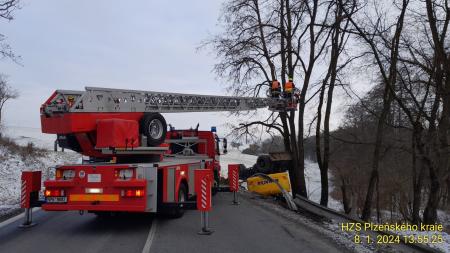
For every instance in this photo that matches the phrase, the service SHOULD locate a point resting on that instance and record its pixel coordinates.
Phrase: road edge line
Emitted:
(15, 218)
(151, 235)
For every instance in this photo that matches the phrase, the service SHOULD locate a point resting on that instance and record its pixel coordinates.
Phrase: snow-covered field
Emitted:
(235, 156)
(23, 135)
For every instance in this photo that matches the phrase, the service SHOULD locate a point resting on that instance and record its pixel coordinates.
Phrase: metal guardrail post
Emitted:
(28, 222)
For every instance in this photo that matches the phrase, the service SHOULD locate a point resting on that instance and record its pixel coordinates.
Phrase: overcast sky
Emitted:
(140, 44)
(149, 45)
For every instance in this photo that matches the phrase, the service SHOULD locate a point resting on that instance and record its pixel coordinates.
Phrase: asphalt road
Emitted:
(70, 232)
(243, 228)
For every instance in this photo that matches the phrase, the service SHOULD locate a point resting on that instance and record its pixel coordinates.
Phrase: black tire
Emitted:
(264, 164)
(242, 167)
(246, 173)
(243, 171)
(216, 182)
(182, 196)
(154, 126)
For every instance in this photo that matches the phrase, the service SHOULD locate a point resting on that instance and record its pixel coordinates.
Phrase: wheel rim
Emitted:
(155, 129)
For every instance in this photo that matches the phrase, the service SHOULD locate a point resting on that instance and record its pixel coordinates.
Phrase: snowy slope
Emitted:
(11, 165)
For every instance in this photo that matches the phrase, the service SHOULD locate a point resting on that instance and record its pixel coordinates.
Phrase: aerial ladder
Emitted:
(72, 114)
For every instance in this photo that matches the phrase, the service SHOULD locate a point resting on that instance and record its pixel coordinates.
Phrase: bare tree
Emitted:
(266, 40)
(6, 93)
(6, 9)
(339, 38)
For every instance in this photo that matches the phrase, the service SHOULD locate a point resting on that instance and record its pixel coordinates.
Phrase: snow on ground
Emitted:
(11, 165)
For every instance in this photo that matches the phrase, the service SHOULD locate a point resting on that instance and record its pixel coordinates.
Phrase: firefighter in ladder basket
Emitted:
(289, 89)
(275, 89)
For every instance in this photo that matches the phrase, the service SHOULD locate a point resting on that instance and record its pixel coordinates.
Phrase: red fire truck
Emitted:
(135, 164)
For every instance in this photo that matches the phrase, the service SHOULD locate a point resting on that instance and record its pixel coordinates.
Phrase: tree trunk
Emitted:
(367, 210)
(346, 200)
(417, 176)
(326, 123)
(430, 212)
(301, 155)
(318, 126)
(288, 144)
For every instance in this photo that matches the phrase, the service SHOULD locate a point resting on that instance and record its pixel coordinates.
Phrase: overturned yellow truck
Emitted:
(269, 175)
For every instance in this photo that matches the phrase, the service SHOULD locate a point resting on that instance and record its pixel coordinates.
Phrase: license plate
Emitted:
(94, 178)
(56, 199)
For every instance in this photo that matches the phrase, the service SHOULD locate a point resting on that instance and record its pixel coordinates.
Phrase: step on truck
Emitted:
(131, 162)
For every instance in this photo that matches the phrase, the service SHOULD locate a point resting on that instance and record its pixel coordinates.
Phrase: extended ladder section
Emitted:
(119, 100)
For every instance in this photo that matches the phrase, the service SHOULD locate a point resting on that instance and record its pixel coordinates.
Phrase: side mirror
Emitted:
(225, 145)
